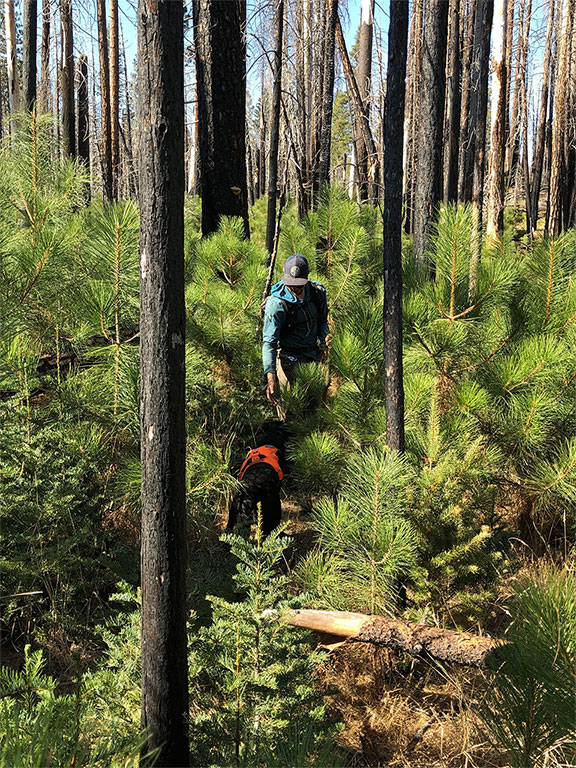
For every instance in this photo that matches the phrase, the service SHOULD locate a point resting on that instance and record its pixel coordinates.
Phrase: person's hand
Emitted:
(271, 395)
(325, 348)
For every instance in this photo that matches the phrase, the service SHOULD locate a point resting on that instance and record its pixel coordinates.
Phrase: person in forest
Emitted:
(295, 326)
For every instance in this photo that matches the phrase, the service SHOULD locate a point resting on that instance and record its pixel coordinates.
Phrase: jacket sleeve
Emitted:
(274, 317)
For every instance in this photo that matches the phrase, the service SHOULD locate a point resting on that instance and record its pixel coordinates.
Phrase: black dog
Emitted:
(260, 479)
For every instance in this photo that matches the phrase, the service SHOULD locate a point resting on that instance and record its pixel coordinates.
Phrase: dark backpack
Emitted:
(318, 297)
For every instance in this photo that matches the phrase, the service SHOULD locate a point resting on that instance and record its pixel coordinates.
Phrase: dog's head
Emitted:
(274, 433)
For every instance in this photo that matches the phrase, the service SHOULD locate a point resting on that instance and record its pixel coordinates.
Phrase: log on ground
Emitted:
(415, 639)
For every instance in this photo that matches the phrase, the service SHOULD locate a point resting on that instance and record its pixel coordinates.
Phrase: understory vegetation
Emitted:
(475, 522)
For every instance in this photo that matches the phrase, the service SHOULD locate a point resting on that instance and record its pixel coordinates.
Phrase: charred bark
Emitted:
(219, 34)
(44, 102)
(275, 131)
(538, 164)
(83, 106)
(162, 374)
(365, 34)
(428, 193)
(495, 203)
(29, 54)
(67, 79)
(106, 153)
(323, 170)
(453, 104)
(392, 248)
(114, 97)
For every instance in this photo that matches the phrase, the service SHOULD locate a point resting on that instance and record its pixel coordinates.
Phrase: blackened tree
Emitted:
(220, 41)
(162, 375)
(428, 192)
(394, 140)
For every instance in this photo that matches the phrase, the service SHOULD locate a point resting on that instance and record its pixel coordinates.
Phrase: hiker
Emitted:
(295, 326)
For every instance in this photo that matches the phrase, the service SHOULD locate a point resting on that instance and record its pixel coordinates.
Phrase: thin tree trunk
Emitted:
(219, 33)
(275, 131)
(29, 54)
(512, 90)
(495, 203)
(465, 149)
(431, 121)
(11, 59)
(323, 176)
(453, 105)
(114, 97)
(392, 244)
(83, 107)
(67, 79)
(559, 181)
(538, 163)
(479, 117)
(364, 79)
(361, 114)
(105, 100)
(162, 375)
(45, 58)
(413, 81)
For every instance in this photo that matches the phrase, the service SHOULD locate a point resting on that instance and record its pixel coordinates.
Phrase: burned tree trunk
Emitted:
(162, 374)
(538, 164)
(453, 103)
(105, 99)
(219, 34)
(366, 179)
(428, 192)
(323, 171)
(114, 97)
(466, 132)
(392, 248)
(560, 184)
(67, 79)
(45, 58)
(29, 54)
(275, 131)
(412, 87)
(495, 213)
(415, 639)
(11, 58)
(83, 105)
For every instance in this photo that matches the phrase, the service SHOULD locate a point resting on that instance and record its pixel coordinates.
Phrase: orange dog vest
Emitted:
(265, 454)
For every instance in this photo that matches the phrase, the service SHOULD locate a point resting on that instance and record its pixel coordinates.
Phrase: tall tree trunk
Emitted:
(465, 149)
(162, 375)
(478, 120)
(559, 181)
(105, 99)
(45, 58)
(538, 163)
(11, 59)
(323, 175)
(364, 79)
(522, 75)
(302, 90)
(392, 247)
(67, 79)
(219, 33)
(512, 89)
(114, 97)
(83, 107)
(275, 131)
(431, 121)
(413, 85)
(453, 105)
(495, 202)
(29, 54)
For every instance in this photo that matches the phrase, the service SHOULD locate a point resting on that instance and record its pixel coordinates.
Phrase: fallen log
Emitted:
(415, 639)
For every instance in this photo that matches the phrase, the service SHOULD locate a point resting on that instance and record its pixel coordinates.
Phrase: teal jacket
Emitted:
(298, 338)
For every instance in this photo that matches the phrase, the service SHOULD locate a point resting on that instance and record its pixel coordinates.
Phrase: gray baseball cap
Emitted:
(295, 270)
